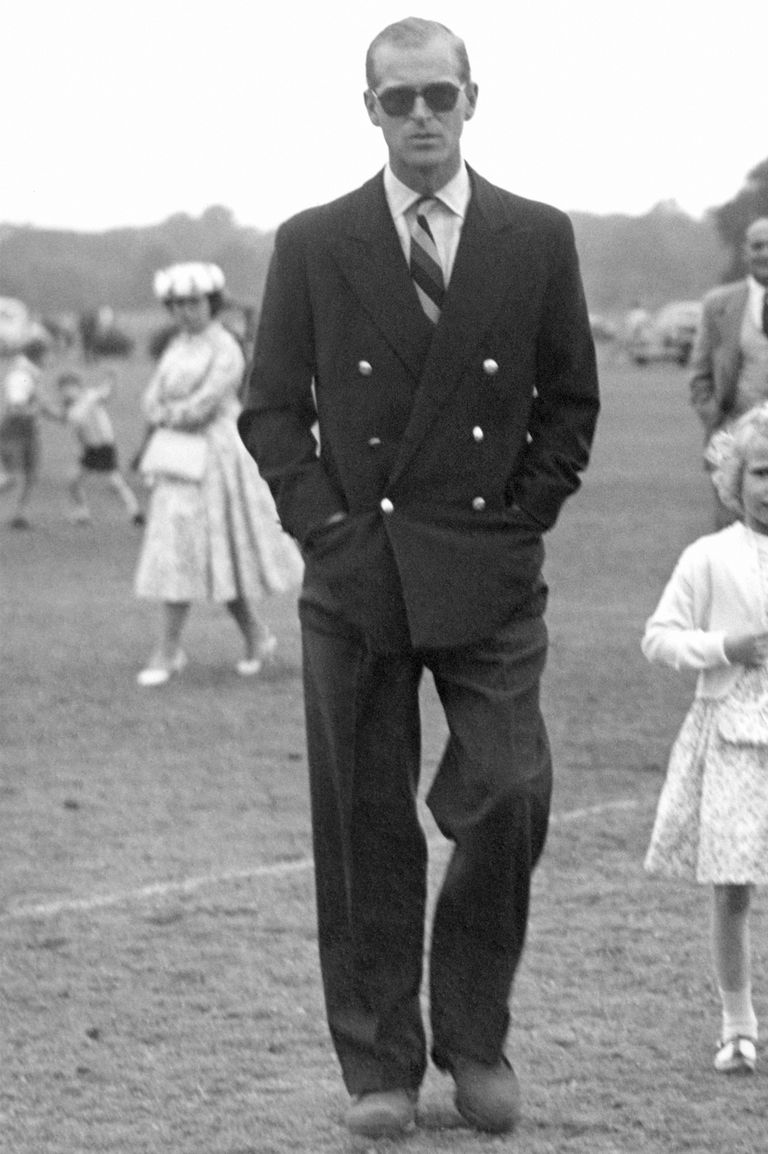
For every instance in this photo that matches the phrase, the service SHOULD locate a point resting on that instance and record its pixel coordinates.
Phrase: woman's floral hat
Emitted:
(189, 279)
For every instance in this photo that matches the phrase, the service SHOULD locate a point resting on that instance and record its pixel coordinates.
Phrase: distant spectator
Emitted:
(100, 336)
(62, 331)
(88, 328)
(83, 408)
(19, 429)
(636, 329)
(730, 356)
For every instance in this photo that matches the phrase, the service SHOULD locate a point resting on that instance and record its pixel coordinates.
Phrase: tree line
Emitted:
(660, 256)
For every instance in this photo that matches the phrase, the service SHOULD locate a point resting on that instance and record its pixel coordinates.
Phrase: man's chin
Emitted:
(427, 159)
(431, 149)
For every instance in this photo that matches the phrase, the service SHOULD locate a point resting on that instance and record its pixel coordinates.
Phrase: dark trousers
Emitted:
(490, 796)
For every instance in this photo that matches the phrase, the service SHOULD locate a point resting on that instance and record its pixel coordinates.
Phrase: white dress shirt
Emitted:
(445, 218)
(757, 293)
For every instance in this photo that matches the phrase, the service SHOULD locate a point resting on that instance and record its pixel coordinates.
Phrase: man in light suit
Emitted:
(730, 356)
(434, 326)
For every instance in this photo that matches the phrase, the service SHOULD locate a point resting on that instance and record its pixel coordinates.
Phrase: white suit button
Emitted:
(528, 438)
(478, 504)
(478, 434)
(365, 368)
(490, 367)
(387, 506)
(374, 442)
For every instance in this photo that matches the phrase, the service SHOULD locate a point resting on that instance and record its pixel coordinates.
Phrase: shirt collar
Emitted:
(454, 195)
(755, 288)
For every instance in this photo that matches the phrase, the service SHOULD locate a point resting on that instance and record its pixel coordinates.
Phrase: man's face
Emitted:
(423, 144)
(756, 250)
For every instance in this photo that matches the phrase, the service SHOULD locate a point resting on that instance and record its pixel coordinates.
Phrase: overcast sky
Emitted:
(124, 113)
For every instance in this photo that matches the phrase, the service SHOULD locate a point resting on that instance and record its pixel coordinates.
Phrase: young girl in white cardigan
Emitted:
(712, 819)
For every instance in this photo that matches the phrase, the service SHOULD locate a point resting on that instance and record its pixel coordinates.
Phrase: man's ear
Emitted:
(372, 107)
(471, 91)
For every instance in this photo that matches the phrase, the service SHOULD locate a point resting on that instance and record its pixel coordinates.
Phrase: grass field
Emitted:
(160, 989)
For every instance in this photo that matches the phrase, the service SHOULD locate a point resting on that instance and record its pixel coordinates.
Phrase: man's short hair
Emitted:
(761, 220)
(413, 32)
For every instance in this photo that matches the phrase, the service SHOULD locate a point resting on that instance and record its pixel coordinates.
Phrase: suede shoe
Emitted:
(487, 1095)
(382, 1113)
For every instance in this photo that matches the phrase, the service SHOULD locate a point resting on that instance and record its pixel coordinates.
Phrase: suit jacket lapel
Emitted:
(371, 258)
(733, 315)
(729, 354)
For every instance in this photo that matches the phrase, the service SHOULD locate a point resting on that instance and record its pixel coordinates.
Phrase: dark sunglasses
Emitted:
(399, 101)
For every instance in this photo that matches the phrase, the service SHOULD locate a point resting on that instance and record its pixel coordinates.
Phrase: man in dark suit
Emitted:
(434, 327)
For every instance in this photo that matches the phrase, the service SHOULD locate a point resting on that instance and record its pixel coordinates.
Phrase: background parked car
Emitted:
(669, 335)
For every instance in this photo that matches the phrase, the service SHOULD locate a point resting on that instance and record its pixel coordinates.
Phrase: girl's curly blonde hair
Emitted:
(727, 454)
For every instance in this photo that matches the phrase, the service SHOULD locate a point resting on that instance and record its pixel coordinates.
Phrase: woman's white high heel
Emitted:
(155, 675)
(265, 653)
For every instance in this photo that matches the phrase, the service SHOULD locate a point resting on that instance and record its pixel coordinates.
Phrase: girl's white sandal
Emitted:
(737, 1055)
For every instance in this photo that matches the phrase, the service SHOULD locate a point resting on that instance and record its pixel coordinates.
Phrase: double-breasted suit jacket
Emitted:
(451, 448)
(716, 357)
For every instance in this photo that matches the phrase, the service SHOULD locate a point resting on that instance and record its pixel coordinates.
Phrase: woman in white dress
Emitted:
(217, 537)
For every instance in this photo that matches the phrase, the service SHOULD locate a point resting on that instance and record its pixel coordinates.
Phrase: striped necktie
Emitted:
(426, 270)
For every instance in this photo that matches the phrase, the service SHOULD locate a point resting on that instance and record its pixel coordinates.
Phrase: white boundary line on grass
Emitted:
(269, 870)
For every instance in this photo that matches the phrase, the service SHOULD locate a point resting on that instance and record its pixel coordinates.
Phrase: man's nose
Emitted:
(421, 109)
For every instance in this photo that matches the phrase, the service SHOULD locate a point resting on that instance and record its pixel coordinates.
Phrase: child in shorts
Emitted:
(83, 408)
(20, 407)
